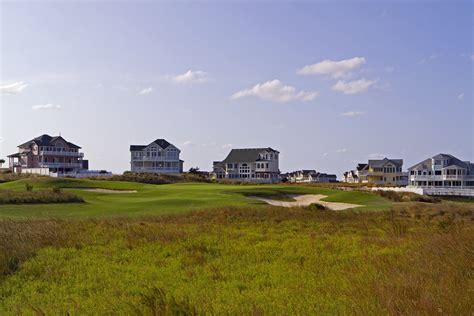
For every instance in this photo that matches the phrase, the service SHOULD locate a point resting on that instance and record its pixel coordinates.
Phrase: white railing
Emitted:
(60, 165)
(60, 153)
(160, 158)
(138, 169)
(440, 177)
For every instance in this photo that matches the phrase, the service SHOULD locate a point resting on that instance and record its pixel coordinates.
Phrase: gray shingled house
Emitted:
(259, 165)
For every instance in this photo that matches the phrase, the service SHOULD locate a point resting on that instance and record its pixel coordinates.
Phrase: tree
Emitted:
(2, 161)
(193, 170)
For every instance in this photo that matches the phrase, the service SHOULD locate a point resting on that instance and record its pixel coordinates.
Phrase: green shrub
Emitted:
(38, 197)
(155, 178)
(316, 207)
(406, 197)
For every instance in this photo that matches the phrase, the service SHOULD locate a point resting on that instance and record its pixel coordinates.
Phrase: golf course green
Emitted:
(146, 199)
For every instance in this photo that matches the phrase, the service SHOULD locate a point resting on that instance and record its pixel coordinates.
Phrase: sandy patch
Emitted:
(305, 200)
(110, 191)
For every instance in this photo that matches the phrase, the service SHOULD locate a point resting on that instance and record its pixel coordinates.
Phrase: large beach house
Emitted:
(378, 171)
(259, 165)
(442, 171)
(48, 155)
(160, 156)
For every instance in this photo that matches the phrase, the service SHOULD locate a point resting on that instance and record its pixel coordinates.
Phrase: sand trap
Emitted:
(110, 191)
(305, 200)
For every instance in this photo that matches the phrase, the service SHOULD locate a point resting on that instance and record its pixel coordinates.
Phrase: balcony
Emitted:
(151, 169)
(60, 153)
(60, 165)
(160, 158)
(442, 177)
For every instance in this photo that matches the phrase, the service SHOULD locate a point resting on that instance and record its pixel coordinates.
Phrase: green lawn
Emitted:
(164, 199)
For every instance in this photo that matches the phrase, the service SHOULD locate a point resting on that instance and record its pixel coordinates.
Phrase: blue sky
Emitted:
(327, 84)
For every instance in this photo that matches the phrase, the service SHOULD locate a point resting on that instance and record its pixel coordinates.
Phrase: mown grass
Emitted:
(415, 259)
(165, 199)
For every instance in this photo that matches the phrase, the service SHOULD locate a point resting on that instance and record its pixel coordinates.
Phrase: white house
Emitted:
(159, 156)
(311, 176)
(442, 171)
(260, 165)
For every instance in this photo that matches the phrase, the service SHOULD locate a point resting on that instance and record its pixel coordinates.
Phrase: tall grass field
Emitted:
(199, 248)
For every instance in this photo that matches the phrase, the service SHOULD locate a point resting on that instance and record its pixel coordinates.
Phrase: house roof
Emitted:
(14, 155)
(377, 163)
(452, 161)
(246, 154)
(362, 166)
(160, 142)
(46, 140)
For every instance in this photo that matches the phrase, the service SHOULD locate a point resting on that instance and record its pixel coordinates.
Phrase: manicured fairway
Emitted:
(164, 199)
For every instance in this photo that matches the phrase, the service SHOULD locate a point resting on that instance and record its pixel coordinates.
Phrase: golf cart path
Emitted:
(307, 199)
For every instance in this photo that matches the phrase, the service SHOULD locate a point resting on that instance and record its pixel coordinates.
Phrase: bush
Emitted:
(406, 197)
(316, 207)
(28, 187)
(38, 197)
(155, 178)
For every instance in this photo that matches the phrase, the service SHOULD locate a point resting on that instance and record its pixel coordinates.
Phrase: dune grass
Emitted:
(262, 260)
(165, 199)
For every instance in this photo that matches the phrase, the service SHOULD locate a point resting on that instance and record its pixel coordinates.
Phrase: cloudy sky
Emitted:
(326, 84)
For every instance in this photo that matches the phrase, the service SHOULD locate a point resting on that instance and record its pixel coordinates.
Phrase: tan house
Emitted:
(378, 171)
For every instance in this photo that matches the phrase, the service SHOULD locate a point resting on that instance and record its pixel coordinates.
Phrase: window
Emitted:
(229, 166)
(267, 165)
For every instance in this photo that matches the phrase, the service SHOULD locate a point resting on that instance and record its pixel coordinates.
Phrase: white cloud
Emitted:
(191, 76)
(377, 156)
(353, 87)
(2, 139)
(188, 143)
(48, 106)
(275, 91)
(461, 96)
(342, 150)
(13, 88)
(227, 146)
(352, 113)
(325, 154)
(335, 69)
(431, 57)
(145, 91)
(472, 57)
(390, 69)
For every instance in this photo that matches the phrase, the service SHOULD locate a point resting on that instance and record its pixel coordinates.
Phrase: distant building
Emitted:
(442, 171)
(47, 155)
(159, 156)
(378, 171)
(311, 176)
(260, 165)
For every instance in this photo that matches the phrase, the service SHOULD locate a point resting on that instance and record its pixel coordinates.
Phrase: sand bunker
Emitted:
(305, 200)
(110, 191)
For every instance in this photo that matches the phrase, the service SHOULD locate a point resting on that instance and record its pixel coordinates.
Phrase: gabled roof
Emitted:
(362, 166)
(377, 163)
(452, 161)
(246, 154)
(46, 140)
(160, 142)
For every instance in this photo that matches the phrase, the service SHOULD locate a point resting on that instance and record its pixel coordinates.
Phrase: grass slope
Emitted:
(233, 261)
(165, 199)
